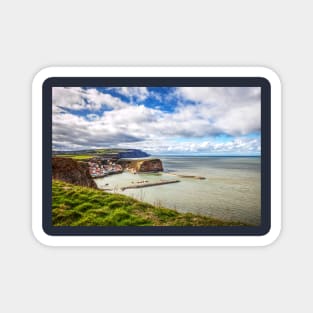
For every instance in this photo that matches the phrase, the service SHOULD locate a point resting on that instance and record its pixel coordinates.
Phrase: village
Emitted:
(107, 165)
(100, 168)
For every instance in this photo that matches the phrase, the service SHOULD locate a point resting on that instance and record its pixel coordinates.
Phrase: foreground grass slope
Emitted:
(81, 206)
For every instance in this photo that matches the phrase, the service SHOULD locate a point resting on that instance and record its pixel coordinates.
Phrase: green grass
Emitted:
(74, 156)
(81, 206)
(88, 154)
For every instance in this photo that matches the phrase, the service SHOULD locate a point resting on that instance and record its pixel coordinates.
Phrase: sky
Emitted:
(158, 120)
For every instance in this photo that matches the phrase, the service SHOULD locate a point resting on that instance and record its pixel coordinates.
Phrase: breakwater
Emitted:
(143, 185)
(186, 176)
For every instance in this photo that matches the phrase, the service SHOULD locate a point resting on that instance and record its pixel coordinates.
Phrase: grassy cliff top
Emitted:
(81, 206)
(74, 156)
(91, 153)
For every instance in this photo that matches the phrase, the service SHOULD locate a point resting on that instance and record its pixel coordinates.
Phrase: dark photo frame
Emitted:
(262, 229)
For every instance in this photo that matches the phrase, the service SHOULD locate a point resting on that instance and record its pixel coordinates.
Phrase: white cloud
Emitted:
(236, 146)
(208, 112)
(220, 95)
(77, 98)
(133, 93)
(230, 110)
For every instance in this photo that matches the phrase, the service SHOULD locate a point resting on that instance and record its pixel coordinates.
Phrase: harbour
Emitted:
(227, 188)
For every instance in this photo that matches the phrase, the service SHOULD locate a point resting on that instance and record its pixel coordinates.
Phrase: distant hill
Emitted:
(110, 153)
(132, 153)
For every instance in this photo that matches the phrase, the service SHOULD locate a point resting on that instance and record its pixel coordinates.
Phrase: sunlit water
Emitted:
(231, 190)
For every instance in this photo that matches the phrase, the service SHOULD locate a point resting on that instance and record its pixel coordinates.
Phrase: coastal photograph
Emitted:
(156, 156)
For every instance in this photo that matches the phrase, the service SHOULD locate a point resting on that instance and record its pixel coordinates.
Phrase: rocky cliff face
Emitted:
(154, 165)
(146, 165)
(71, 171)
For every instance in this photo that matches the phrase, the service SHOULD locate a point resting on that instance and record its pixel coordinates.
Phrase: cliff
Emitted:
(71, 171)
(142, 165)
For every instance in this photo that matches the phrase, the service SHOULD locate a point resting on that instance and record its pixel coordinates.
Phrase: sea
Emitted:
(231, 190)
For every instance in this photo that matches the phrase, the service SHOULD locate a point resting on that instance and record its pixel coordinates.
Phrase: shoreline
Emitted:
(107, 174)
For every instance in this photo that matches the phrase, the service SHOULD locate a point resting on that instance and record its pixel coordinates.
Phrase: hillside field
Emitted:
(74, 205)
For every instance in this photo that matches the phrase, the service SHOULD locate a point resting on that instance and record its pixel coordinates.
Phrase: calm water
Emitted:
(231, 190)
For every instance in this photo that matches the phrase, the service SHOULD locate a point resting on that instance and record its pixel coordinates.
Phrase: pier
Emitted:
(143, 185)
(186, 176)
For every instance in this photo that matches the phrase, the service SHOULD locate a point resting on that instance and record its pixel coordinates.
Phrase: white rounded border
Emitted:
(49, 240)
